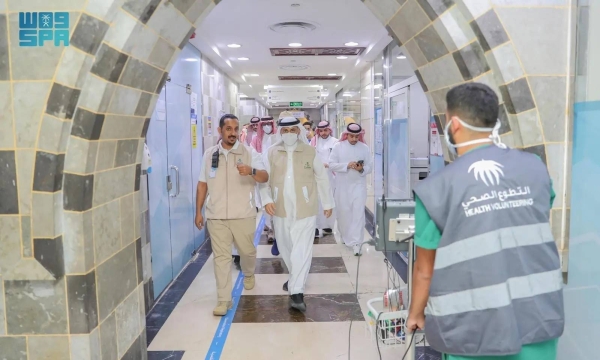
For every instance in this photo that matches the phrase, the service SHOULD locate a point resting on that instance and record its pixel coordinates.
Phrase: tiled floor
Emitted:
(263, 327)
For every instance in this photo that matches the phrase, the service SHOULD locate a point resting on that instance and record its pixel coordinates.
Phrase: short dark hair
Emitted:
(225, 118)
(475, 103)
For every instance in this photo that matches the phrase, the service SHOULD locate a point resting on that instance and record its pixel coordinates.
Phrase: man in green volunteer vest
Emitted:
(487, 282)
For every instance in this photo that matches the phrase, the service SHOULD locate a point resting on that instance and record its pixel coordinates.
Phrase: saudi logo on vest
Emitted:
(487, 171)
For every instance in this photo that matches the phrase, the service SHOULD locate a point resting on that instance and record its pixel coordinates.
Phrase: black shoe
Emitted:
(236, 262)
(316, 233)
(328, 231)
(270, 240)
(285, 286)
(297, 302)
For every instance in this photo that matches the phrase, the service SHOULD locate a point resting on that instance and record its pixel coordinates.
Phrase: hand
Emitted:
(359, 167)
(415, 322)
(326, 166)
(199, 221)
(328, 213)
(244, 170)
(270, 209)
(352, 165)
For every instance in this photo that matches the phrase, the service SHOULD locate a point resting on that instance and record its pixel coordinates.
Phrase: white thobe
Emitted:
(350, 189)
(268, 140)
(324, 148)
(295, 236)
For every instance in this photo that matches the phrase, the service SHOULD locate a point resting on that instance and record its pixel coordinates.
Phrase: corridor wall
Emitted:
(582, 294)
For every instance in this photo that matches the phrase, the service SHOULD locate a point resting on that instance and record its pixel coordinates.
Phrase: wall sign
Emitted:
(194, 136)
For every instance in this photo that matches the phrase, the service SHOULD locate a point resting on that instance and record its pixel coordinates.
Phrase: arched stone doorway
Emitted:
(60, 105)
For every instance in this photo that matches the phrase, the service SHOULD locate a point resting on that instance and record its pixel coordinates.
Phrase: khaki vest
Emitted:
(304, 180)
(230, 195)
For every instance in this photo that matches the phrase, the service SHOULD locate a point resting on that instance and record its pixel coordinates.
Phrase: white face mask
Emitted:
(267, 129)
(289, 139)
(494, 136)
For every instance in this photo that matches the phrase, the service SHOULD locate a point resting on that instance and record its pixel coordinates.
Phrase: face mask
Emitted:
(494, 137)
(268, 129)
(289, 139)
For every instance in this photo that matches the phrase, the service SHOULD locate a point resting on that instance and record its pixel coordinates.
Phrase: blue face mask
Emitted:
(493, 138)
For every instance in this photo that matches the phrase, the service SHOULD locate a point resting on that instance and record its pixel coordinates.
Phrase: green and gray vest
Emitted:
(497, 282)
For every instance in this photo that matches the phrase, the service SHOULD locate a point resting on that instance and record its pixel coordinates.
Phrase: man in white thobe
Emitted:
(251, 131)
(299, 180)
(350, 159)
(323, 142)
(265, 137)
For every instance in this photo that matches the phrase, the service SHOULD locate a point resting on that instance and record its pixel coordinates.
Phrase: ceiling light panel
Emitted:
(234, 46)
(310, 78)
(351, 43)
(322, 51)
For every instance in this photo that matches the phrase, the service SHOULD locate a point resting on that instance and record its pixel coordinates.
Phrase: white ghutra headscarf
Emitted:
(290, 122)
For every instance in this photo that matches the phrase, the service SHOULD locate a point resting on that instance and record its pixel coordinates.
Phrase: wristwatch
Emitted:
(253, 172)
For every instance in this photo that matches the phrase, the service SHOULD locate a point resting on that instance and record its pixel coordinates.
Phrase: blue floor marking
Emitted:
(216, 347)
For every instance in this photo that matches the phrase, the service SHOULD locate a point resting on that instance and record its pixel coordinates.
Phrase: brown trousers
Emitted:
(223, 233)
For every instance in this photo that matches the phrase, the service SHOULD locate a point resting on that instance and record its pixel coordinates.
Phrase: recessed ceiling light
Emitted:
(378, 74)
(294, 44)
(331, 74)
(342, 57)
(351, 43)
(401, 57)
(234, 46)
(347, 95)
(243, 59)
(251, 75)
(190, 59)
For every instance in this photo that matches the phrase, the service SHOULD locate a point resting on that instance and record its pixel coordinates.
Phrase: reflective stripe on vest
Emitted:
(491, 243)
(495, 296)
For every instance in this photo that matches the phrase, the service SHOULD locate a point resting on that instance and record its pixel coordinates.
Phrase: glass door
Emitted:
(158, 202)
(396, 152)
(181, 195)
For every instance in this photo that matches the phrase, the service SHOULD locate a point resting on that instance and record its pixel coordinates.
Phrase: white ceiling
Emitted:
(247, 22)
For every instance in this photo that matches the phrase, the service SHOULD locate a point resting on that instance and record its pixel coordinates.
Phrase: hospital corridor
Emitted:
(299, 179)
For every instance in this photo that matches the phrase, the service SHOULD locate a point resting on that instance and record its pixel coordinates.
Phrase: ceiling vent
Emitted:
(292, 27)
(321, 51)
(294, 67)
(309, 78)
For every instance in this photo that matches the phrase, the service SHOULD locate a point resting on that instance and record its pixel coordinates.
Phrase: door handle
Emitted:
(173, 167)
(169, 183)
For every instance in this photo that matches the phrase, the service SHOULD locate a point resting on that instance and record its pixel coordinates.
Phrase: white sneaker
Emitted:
(356, 249)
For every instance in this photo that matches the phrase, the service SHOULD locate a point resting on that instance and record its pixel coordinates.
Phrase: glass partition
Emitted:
(396, 152)
(378, 99)
(399, 66)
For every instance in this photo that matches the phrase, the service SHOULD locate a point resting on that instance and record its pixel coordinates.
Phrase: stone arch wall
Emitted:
(76, 118)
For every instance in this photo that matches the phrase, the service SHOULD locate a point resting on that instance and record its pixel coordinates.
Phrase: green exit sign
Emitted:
(296, 104)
